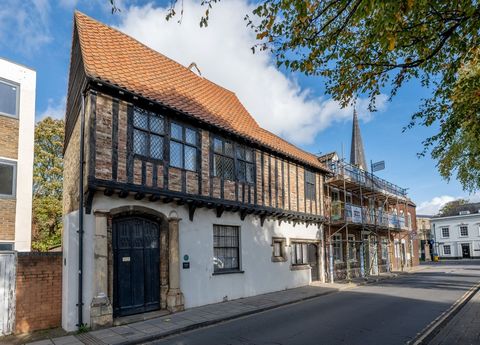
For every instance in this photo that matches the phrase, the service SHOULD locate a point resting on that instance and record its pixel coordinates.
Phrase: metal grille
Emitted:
(226, 243)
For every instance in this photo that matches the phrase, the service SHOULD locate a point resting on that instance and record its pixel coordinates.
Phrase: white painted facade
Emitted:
(259, 274)
(454, 234)
(25, 78)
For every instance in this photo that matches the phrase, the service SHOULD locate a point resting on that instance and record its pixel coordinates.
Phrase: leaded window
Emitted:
(148, 134)
(299, 253)
(310, 192)
(226, 248)
(183, 147)
(245, 165)
(223, 159)
(7, 178)
(9, 93)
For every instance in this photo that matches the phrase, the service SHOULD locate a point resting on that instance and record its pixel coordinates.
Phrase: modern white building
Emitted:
(17, 123)
(457, 235)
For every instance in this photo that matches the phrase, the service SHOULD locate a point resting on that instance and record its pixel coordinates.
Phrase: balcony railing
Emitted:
(339, 211)
(366, 179)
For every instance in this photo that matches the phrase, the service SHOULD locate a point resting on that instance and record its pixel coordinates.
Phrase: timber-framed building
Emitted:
(174, 196)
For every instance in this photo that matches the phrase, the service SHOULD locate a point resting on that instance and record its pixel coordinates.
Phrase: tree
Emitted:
(47, 184)
(369, 47)
(451, 205)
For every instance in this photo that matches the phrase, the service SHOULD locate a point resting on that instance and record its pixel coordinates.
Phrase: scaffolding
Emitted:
(369, 229)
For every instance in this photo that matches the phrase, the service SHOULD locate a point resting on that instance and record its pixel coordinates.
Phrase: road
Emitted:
(391, 312)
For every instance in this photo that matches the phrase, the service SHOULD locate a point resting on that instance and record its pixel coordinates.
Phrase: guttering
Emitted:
(80, 213)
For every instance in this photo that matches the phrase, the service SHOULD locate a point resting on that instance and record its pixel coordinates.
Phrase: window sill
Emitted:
(219, 273)
(300, 267)
(278, 259)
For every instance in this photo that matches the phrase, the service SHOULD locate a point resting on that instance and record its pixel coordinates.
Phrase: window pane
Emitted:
(176, 132)
(298, 253)
(277, 249)
(190, 158)
(156, 146)
(228, 149)
(140, 119)
(241, 153)
(217, 166)
(140, 142)
(190, 136)
(176, 156)
(8, 99)
(250, 173)
(6, 179)
(228, 171)
(156, 124)
(249, 155)
(242, 170)
(305, 253)
(217, 145)
(6, 246)
(226, 248)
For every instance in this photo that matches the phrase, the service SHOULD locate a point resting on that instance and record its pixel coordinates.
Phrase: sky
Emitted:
(37, 33)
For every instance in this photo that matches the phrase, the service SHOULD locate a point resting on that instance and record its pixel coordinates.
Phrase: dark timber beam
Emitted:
(139, 196)
(262, 219)
(108, 192)
(243, 214)
(123, 194)
(191, 210)
(220, 210)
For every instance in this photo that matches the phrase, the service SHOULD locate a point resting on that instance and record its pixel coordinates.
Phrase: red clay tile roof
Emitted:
(118, 59)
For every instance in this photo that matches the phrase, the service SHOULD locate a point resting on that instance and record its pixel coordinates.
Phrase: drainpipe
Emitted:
(80, 214)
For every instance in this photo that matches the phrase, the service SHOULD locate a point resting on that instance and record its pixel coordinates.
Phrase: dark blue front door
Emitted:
(136, 256)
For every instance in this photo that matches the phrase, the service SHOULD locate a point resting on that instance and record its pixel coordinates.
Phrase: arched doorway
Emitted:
(136, 264)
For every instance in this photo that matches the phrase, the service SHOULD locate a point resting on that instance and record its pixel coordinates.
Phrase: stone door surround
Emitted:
(171, 297)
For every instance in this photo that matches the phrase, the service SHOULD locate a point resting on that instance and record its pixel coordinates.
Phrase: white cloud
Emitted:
(222, 52)
(54, 109)
(431, 207)
(26, 23)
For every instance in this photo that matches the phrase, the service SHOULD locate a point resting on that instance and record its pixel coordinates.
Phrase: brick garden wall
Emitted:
(38, 291)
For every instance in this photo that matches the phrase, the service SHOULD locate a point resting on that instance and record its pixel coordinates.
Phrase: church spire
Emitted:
(357, 153)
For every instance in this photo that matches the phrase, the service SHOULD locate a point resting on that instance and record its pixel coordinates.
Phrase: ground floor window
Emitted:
(447, 250)
(226, 248)
(6, 246)
(384, 249)
(352, 248)
(278, 253)
(337, 247)
(299, 253)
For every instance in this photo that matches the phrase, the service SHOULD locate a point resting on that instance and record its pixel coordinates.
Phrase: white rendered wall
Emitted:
(26, 77)
(455, 241)
(70, 269)
(197, 283)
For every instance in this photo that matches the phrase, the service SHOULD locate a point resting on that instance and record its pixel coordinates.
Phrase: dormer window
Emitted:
(463, 213)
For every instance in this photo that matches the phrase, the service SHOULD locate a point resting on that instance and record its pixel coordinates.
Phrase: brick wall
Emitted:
(7, 219)
(8, 137)
(38, 291)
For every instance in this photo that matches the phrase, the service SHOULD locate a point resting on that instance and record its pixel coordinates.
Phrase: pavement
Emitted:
(194, 318)
(463, 328)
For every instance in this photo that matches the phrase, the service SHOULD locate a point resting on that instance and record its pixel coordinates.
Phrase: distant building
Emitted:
(425, 237)
(17, 122)
(457, 233)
